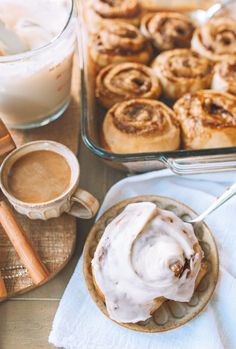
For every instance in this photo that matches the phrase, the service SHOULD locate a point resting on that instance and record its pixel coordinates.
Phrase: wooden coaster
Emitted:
(54, 240)
(171, 314)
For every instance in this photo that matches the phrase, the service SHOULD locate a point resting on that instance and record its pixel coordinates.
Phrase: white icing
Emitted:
(132, 262)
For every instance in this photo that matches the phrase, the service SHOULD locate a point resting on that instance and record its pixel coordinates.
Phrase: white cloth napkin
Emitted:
(79, 324)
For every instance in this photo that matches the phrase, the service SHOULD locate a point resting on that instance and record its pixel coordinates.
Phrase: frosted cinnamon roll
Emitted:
(181, 71)
(207, 119)
(119, 42)
(145, 256)
(117, 83)
(224, 78)
(140, 125)
(103, 11)
(216, 40)
(168, 30)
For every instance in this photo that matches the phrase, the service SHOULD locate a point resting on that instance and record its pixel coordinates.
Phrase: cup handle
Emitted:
(83, 204)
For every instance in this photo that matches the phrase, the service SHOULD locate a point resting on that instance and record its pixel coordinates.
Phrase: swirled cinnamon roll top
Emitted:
(145, 254)
(98, 12)
(181, 71)
(140, 125)
(168, 30)
(207, 119)
(117, 83)
(224, 78)
(140, 117)
(116, 9)
(119, 42)
(216, 40)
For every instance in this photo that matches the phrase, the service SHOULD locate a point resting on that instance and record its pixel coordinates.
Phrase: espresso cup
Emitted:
(73, 200)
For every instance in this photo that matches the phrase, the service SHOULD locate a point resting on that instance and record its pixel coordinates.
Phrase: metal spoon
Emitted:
(231, 191)
(202, 16)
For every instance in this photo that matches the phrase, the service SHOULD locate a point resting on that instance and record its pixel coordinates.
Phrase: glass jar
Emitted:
(35, 85)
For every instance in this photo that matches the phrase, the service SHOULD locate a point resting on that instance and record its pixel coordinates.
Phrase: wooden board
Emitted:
(54, 239)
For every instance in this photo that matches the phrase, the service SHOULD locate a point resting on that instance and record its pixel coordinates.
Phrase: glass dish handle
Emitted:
(201, 164)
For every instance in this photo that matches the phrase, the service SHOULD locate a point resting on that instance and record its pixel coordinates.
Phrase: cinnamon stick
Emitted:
(6, 142)
(3, 291)
(22, 245)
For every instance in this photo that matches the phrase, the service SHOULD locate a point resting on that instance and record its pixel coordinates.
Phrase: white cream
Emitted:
(133, 260)
(35, 23)
(34, 87)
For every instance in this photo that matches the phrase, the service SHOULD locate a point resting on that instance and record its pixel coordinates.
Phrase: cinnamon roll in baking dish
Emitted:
(119, 82)
(119, 42)
(207, 119)
(181, 71)
(145, 256)
(168, 30)
(216, 40)
(101, 11)
(140, 125)
(224, 78)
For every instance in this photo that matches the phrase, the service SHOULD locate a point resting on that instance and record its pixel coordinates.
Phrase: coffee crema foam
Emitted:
(39, 176)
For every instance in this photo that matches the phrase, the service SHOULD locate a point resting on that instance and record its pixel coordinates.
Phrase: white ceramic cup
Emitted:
(74, 200)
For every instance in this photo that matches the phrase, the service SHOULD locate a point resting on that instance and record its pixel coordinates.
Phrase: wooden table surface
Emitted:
(25, 321)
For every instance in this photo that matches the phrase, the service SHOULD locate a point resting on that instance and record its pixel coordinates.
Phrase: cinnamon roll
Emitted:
(104, 11)
(181, 71)
(140, 125)
(224, 78)
(207, 119)
(216, 40)
(168, 30)
(117, 83)
(145, 256)
(119, 42)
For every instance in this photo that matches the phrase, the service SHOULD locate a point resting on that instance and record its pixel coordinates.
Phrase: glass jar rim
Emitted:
(31, 53)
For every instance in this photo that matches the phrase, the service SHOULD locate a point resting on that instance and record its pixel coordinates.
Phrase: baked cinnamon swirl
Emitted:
(181, 71)
(140, 125)
(216, 40)
(207, 119)
(224, 78)
(101, 11)
(119, 42)
(145, 256)
(117, 83)
(168, 30)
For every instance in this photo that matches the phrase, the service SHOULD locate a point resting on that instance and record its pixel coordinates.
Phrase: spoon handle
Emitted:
(231, 191)
(217, 7)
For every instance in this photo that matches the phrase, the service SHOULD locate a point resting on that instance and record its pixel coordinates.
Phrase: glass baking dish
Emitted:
(181, 162)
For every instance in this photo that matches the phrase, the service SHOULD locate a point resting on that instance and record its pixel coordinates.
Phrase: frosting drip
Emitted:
(208, 108)
(145, 253)
(219, 113)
